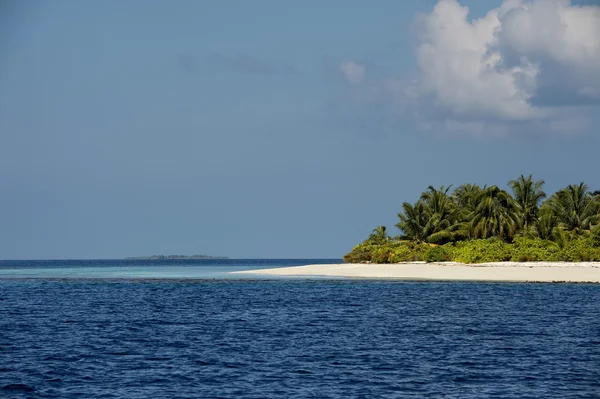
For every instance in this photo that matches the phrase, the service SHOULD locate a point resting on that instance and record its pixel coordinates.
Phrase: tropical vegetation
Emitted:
(474, 224)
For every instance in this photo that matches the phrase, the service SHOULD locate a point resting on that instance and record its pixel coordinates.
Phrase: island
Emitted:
(474, 224)
(476, 233)
(163, 257)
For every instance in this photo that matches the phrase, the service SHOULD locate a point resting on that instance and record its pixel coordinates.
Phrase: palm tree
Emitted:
(496, 214)
(434, 218)
(528, 195)
(576, 209)
(465, 197)
(546, 226)
(442, 214)
(378, 235)
(413, 221)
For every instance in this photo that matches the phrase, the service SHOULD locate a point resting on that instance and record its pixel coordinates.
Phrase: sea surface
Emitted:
(84, 334)
(143, 268)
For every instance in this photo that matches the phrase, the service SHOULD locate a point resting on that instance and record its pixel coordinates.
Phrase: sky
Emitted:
(272, 129)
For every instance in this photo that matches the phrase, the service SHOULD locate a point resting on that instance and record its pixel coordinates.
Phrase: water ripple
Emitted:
(271, 339)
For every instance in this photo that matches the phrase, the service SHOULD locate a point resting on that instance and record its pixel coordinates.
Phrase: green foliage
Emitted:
(496, 214)
(528, 195)
(522, 249)
(402, 253)
(414, 222)
(361, 253)
(379, 235)
(408, 252)
(381, 254)
(432, 219)
(576, 208)
(486, 224)
(391, 252)
(580, 250)
(595, 236)
(481, 251)
(532, 250)
(464, 196)
(442, 253)
(546, 226)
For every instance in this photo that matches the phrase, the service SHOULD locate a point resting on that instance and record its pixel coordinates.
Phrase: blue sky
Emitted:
(271, 129)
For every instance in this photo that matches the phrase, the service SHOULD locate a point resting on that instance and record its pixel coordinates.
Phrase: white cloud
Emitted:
(526, 61)
(352, 71)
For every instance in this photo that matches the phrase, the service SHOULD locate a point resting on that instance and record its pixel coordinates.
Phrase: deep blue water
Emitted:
(240, 338)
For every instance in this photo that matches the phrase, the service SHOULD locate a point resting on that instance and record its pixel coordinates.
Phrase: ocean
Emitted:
(131, 329)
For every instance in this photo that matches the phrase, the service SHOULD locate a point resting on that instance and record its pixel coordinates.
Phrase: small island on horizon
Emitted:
(162, 257)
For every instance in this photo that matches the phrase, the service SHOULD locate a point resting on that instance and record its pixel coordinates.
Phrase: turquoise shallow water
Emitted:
(143, 269)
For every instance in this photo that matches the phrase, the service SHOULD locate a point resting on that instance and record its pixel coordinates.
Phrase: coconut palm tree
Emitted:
(528, 195)
(465, 197)
(434, 218)
(442, 213)
(379, 235)
(414, 222)
(576, 209)
(496, 214)
(546, 226)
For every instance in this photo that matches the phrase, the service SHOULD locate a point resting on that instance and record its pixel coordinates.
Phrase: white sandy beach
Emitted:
(588, 272)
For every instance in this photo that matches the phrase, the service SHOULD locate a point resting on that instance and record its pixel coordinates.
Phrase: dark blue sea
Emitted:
(81, 329)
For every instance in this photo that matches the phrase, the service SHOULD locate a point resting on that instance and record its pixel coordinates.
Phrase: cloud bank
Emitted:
(525, 63)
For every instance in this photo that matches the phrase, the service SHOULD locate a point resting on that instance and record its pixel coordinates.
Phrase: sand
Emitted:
(580, 272)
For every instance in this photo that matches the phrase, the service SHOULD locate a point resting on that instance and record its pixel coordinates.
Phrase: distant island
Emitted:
(162, 257)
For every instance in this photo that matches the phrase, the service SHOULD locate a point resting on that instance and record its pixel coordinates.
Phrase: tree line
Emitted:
(441, 217)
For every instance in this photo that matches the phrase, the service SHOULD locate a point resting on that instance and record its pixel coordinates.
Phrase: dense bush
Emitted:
(381, 254)
(442, 253)
(595, 237)
(360, 254)
(580, 250)
(402, 253)
(478, 251)
(532, 250)
(481, 251)
(392, 252)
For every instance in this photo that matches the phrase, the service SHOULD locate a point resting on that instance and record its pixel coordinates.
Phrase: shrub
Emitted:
(595, 236)
(438, 254)
(401, 253)
(481, 251)
(407, 252)
(580, 250)
(532, 250)
(478, 251)
(360, 254)
(381, 254)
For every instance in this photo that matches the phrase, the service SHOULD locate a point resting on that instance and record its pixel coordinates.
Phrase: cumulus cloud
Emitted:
(352, 71)
(525, 61)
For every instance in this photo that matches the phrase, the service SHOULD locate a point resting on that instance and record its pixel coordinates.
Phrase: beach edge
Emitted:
(542, 272)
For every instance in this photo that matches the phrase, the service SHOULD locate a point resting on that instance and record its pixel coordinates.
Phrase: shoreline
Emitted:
(535, 272)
